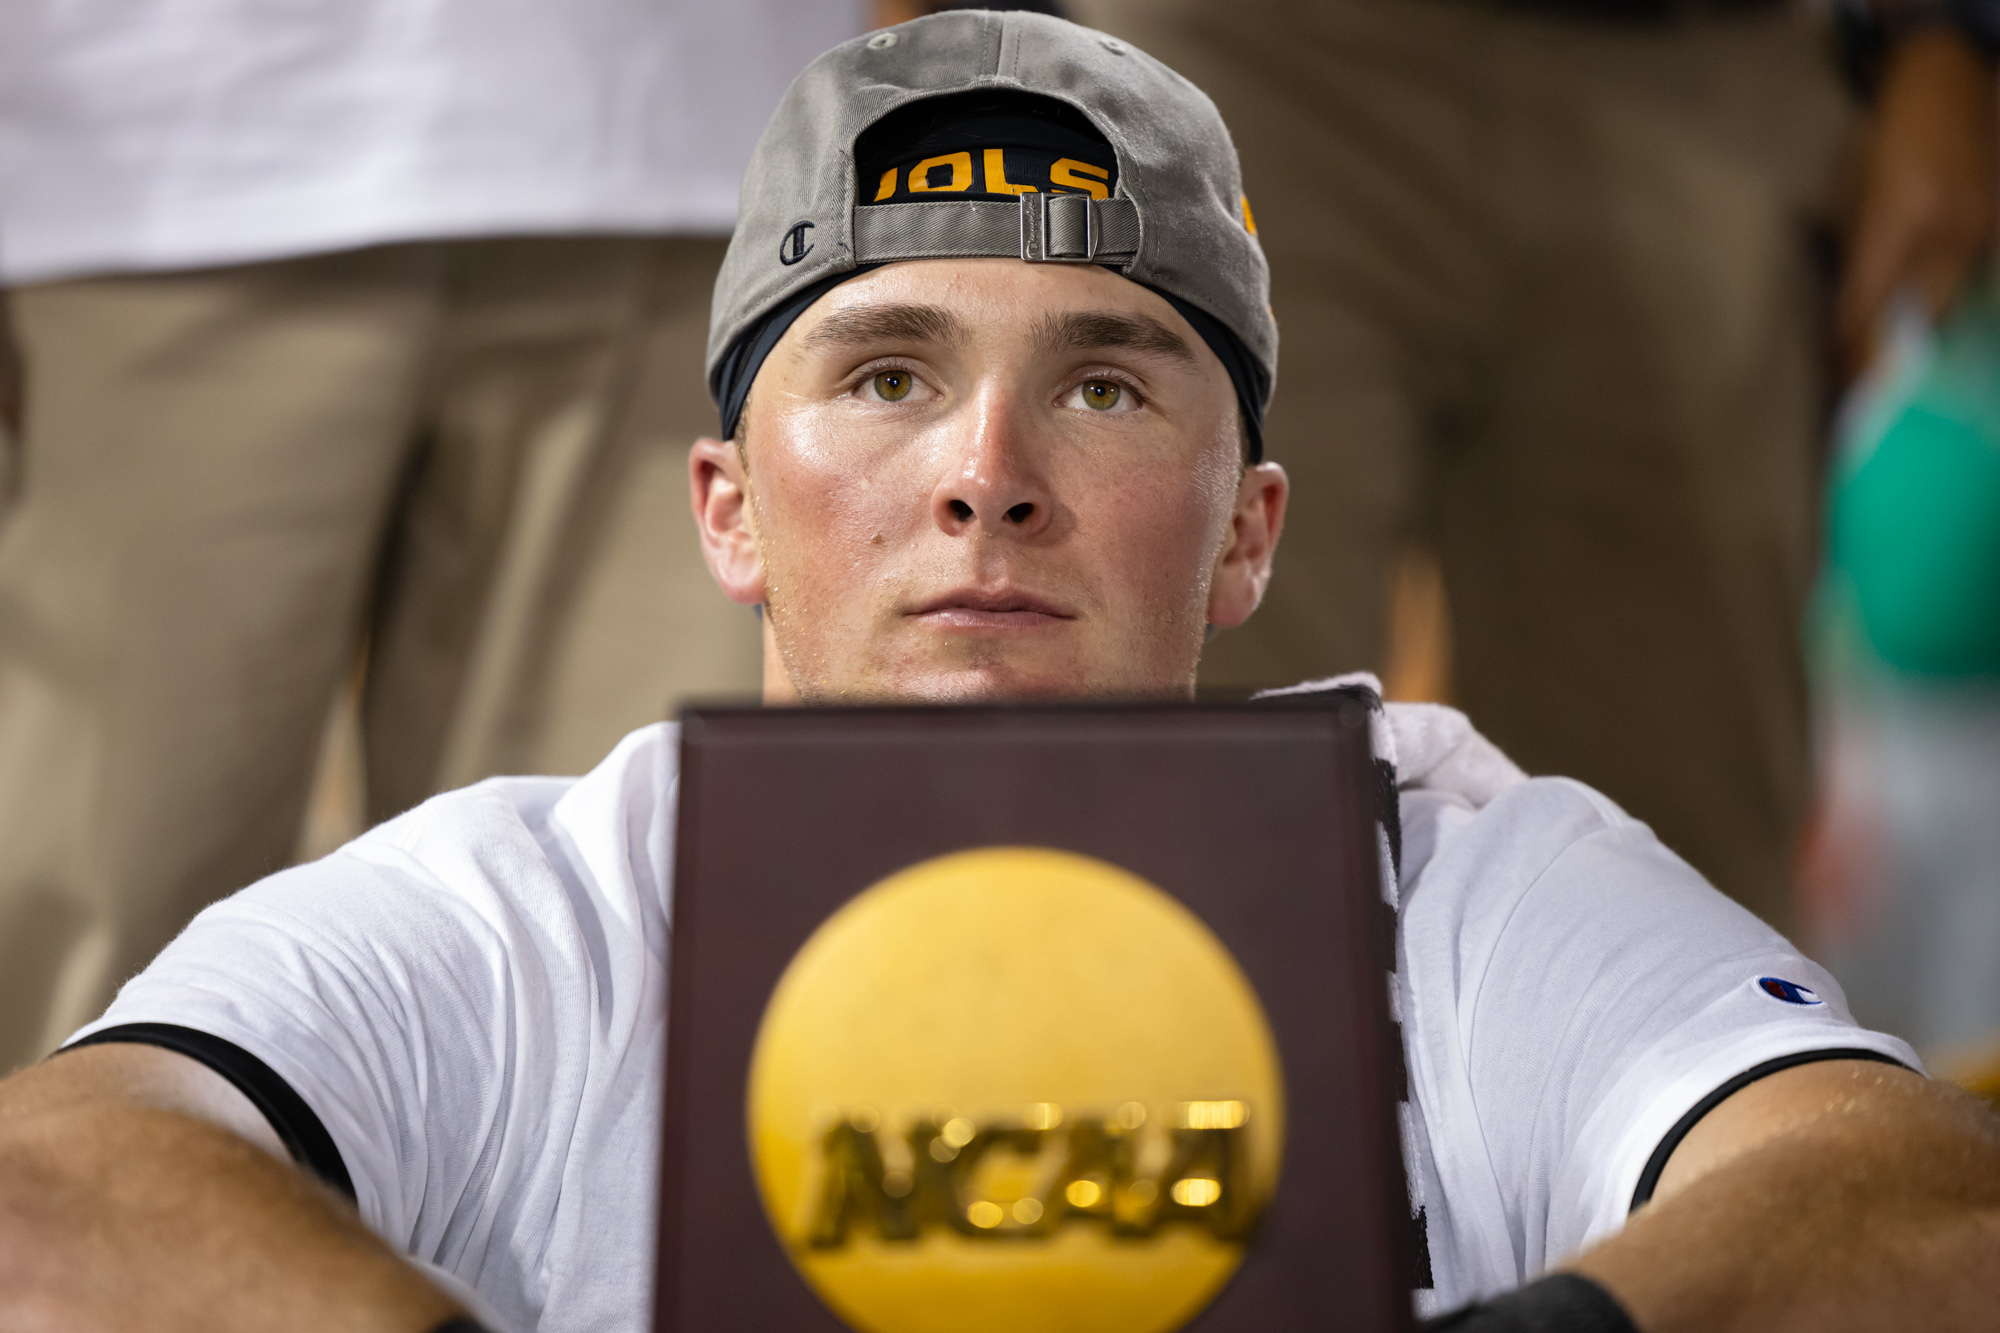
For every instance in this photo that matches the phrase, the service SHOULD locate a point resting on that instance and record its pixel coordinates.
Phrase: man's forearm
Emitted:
(1881, 1212)
(121, 1216)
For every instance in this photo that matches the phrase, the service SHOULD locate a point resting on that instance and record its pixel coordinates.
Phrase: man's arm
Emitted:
(1832, 1196)
(140, 1190)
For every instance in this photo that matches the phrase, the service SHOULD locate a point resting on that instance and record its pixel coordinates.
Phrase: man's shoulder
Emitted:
(486, 859)
(1531, 823)
(573, 871)
(1457, 792)
(635, 780)
(1477, 833)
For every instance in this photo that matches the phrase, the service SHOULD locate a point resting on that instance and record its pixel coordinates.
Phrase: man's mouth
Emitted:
(991, 609)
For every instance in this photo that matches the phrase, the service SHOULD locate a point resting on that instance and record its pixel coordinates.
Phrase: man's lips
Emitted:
(991, 608)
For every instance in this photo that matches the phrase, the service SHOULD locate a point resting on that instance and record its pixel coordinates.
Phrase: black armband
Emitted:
(460, 1323)
(1562, 1303)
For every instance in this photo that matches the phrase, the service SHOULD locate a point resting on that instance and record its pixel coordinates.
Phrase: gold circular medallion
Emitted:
(1014, 1089)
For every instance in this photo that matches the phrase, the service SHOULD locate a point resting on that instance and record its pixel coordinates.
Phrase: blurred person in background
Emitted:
(337, 323)
(1901, 881)
(1554, 264)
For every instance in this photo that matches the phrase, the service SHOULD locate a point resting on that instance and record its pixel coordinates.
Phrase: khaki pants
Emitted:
(469, 455)
(1547, 306)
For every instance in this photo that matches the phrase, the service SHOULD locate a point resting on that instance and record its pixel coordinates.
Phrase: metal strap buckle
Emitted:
(1035, 229)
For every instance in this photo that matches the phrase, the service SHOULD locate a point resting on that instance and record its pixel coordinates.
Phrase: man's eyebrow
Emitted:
(1088, 331)
(887, 323)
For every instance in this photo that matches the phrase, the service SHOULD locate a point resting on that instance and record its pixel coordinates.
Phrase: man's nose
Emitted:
(995, 485)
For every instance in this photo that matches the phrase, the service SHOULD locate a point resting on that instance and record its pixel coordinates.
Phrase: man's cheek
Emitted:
(837, 543)
(864, 525)
(1171, 543)
(826, 510)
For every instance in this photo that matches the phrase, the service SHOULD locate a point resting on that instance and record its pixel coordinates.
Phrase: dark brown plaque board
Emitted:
(1257, 817)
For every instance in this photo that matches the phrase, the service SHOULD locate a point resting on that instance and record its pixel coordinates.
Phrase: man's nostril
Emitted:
(1020, 513)
(960, 510)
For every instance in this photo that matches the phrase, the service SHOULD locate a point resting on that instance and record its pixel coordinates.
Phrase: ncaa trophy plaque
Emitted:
(1051, 1019)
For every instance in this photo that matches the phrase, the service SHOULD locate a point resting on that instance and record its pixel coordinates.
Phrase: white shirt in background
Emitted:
(169, 134)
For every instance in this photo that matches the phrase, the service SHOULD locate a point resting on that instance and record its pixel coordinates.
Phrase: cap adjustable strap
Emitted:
(1041, 228)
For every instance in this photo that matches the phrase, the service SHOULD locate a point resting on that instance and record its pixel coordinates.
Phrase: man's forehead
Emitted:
(938, 308)
(874, 322)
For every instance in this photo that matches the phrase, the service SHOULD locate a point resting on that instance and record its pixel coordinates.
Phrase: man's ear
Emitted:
(1243, 569)
(721, 495)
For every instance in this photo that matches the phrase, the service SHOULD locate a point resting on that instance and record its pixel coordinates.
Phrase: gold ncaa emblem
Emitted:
(1015, 1089)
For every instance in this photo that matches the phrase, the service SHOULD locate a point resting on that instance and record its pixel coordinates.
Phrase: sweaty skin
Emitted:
(976, 480)
(139, 1190)
(1847, 1195)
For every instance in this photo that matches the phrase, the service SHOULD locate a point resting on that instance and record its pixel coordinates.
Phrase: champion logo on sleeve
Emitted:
(1791, 992)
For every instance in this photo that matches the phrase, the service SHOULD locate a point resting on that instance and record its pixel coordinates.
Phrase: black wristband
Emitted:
(461, 1323)
(1563, 1303)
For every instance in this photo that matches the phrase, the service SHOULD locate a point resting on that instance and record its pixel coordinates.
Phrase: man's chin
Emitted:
(1013, 681)
(984, 685)
(955, 671)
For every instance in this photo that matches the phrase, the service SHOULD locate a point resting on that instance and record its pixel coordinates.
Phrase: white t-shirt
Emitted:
(159, 134)
(472, 999)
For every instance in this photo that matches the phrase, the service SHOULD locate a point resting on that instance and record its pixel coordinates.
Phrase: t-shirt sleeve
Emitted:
(400, 998)
(1586, 989)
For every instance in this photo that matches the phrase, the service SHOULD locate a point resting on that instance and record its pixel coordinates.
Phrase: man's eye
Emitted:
(892, 386)
(1101, 395)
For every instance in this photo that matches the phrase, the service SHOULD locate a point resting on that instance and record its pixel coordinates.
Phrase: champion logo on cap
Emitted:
(795, 246)
(1791, 992)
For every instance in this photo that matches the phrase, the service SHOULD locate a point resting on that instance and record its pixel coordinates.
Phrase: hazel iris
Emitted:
(1101, 395)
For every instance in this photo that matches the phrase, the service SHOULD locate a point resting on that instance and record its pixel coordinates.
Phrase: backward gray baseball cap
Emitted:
(1176, 221)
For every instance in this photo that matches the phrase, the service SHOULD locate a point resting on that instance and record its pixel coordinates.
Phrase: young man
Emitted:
(958, 470)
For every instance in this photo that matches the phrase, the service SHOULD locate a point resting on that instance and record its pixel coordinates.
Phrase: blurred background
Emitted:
(1640, 389)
